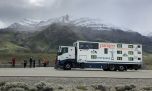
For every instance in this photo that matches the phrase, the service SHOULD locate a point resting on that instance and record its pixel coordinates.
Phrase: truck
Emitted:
(102, 55)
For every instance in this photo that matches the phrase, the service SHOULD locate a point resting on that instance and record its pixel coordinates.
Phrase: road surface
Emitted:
(51, 72)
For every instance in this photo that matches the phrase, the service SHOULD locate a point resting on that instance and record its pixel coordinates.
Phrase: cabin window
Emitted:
(130, 46)
(119, 58)
(119, 52)
(139, 58)
(64, 50)
(119, 45)
(130, 52)
(85, 45)
(105, 50)
(130, 58)
(93, 56)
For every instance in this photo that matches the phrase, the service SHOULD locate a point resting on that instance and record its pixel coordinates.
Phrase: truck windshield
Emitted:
(62, 50)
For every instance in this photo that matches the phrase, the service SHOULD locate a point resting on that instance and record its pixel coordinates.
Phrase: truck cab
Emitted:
(65, 57)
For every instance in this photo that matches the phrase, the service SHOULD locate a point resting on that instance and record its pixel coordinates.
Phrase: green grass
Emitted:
(9, 47)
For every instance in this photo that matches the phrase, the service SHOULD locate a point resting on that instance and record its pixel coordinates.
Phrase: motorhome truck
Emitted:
(106, 56)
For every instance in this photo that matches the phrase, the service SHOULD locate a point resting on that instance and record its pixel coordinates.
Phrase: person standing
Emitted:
(44, 62)
(39, 62)
(13, 62)
(30, 61)
(25, 63)
(34, 63)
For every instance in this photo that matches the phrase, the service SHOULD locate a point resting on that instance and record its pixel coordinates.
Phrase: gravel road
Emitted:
(51, 72)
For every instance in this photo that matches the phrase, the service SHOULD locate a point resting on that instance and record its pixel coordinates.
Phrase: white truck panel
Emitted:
(98, 55)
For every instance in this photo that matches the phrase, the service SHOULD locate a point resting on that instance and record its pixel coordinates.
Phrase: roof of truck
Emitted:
(107, 42)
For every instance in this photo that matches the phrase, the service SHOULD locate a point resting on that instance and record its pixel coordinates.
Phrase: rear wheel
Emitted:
(67, 66)
(121, 68)
(112, 68)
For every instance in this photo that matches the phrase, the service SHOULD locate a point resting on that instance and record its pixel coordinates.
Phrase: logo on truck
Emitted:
(107, 46)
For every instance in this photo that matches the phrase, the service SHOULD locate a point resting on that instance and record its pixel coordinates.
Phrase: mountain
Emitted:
(46, 36)
(31, 25)
(59, 34)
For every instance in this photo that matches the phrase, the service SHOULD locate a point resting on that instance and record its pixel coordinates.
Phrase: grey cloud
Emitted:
(132, 14)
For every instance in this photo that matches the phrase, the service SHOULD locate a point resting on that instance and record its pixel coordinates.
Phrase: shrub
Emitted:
(82, 87)
(147, 88)
(101, 87)
(16, 89)
(43, 86)
(125, 87)
(2, 84)
(12, 85)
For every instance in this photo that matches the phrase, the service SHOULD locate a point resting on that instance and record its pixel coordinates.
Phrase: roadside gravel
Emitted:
(79, 81)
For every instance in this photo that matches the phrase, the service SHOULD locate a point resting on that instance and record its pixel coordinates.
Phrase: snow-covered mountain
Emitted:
(25, 25)
(37, 25)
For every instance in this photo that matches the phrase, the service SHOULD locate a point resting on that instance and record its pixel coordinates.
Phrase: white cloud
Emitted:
(40, 3)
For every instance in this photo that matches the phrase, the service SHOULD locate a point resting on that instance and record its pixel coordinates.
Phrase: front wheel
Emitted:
(67, 66)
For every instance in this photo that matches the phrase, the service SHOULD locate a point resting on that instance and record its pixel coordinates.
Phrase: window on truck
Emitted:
(85, 45)
(130, 58)
(119, 45)
(64, 50)
(105, 50)
(130, 52)
(119, 58)
(119, 52)
(93, 56)
(130, 46)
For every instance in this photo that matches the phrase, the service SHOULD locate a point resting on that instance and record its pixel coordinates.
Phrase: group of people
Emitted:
(31, 62)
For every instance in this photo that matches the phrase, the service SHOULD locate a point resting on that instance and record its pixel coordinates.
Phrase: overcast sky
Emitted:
(132, 14)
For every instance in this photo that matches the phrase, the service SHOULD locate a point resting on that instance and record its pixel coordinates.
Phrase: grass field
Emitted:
(6, 57)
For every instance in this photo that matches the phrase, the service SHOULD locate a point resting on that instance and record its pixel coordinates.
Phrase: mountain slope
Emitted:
(63, 31)
(65, 34)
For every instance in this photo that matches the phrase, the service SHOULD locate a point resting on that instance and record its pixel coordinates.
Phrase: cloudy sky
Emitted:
(132, 14)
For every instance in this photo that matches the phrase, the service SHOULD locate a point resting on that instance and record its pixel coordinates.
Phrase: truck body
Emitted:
(106, 56)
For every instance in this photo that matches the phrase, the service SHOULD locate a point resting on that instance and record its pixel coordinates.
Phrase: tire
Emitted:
(135, 68)
(67, 66)
(112, 67)
(82, 66)
(121, 68)
(105, 69)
